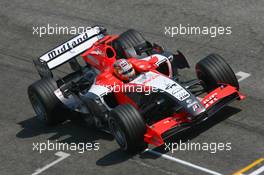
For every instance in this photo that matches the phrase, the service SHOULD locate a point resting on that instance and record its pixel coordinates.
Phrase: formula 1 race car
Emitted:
(146, 109)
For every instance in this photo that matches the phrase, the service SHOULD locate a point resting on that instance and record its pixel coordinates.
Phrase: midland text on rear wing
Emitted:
(73, 47)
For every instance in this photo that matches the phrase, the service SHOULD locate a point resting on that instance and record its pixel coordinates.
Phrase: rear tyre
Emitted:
(128, 39)
(128, 128)
(44, 101)
(213, 70)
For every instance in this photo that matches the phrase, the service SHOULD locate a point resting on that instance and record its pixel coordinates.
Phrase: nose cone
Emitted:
(193, 106)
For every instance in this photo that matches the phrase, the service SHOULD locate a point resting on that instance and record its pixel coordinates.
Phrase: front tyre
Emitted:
(128, 128)
(213, 70)
(44, 101)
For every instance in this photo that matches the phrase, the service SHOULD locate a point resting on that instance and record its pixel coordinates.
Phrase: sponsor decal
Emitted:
(210, 100)
(68, 46)
(182, 95)
(195, 107)
(72, 48)
(177, 91)
(192, 104)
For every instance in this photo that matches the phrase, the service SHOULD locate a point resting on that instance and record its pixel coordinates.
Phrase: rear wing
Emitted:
(72, 48)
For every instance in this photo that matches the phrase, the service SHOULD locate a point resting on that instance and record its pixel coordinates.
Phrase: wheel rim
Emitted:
(118, 133)
(38, 107)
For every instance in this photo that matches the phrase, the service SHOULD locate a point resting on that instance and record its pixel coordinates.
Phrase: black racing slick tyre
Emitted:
(128, 128)
(213, 70)
(44, 101)
(131, 38)
(128, 39)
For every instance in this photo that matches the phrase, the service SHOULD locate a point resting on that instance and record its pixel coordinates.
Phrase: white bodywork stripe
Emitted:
(99, 90)
(161, 58)
(162, 83)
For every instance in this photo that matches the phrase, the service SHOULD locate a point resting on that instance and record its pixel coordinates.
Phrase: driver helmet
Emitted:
(124, 70)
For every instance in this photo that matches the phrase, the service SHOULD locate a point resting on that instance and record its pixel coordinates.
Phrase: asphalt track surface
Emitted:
(241, 123)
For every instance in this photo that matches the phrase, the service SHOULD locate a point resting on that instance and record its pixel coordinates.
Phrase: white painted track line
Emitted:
(258, 171)
(164, 156)
(62, 156)
(242, 75)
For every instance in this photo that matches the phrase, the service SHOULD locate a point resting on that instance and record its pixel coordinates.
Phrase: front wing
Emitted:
(213, 102)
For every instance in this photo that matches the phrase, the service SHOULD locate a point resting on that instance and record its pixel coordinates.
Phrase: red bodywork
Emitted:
(99, 54)
(102, 56)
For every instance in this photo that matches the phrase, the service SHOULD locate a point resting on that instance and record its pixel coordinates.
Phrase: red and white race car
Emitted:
(153, 105)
